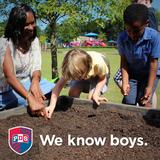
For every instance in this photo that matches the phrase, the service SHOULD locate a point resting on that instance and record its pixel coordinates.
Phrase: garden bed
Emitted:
(80, 118)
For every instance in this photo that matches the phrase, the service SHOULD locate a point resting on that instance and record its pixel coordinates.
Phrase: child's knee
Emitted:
(74, 92)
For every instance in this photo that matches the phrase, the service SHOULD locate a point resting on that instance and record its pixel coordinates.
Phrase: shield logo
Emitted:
(20, 139)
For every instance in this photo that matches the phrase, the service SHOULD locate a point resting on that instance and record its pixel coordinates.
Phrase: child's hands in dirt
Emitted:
(99, 99)
(49, 111)
(146, 98)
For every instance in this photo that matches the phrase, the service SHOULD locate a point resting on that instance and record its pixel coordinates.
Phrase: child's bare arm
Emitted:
(151, 79)
(95, 95)
(125, 76)
(55, 93)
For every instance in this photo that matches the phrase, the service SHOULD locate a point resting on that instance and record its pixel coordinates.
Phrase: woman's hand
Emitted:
(34, 105)
(36, 92)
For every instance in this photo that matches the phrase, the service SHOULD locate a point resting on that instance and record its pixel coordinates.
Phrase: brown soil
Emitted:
(86, 122)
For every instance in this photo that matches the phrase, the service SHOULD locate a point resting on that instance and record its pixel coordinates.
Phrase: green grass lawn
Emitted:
(113, 94)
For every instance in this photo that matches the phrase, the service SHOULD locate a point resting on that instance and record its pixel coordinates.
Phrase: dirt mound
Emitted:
(82, 121)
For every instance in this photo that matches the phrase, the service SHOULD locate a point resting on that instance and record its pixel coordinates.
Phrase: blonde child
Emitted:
(88, 72)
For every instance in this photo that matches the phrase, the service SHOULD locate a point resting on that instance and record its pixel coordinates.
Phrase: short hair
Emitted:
(76, 64)
(16, 23)
(135, 12)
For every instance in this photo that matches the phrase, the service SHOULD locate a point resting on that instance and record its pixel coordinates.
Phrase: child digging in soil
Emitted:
(139, 48)
(88, 72)
(153, 23)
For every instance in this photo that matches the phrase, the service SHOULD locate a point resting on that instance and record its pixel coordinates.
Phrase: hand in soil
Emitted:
(37, 93)
(34, 105)
(145, 100)
(99, 100)
(49, 112)
(42, 113)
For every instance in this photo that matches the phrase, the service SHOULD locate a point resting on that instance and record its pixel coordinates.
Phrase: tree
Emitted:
(102, 36)
(115, 18)
(2, 26)
(51, 12)
(158, 17)
(112, 29)
(91, 26)
(67, 31)
(77, 12)
(116, 10)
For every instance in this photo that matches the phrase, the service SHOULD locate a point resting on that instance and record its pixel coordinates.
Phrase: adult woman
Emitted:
(20, 62)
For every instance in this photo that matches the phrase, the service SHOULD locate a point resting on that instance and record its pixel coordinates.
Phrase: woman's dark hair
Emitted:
(16, 23)
(135, 12)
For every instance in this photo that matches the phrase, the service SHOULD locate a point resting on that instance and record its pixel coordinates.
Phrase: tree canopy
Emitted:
(70, 17)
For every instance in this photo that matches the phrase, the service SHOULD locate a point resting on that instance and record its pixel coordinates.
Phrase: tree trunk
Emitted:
(54, 51)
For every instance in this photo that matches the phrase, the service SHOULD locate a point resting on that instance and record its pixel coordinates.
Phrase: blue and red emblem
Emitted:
(20, 139)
